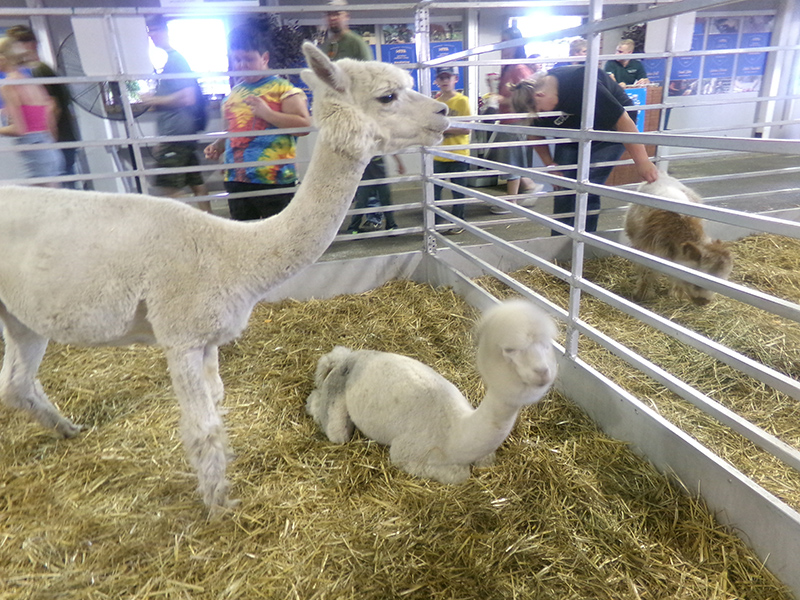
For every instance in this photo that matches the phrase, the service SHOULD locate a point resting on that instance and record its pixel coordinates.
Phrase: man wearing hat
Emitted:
(457, 106)
(340, 41)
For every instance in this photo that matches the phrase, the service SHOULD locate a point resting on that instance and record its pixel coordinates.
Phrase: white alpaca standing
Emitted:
(94, 269)
(676, 237)
(431, 429)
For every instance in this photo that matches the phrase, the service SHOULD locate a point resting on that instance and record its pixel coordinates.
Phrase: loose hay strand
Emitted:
(566, 513)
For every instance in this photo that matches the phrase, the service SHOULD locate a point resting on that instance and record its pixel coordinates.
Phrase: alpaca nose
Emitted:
(442, 111)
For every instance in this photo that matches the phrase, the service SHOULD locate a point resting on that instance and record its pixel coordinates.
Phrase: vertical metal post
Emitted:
(422, 25)
(130, 130)
(778, 63)
(582, 176)
(473, 82)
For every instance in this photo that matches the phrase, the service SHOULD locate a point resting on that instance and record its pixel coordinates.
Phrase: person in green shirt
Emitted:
(626, 71)
(341, 42)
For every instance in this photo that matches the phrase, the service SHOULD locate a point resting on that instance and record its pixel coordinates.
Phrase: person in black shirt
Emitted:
(562, 90)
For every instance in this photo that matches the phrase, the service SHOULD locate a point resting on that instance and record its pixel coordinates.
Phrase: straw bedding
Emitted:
(567, 513)
(767, 263)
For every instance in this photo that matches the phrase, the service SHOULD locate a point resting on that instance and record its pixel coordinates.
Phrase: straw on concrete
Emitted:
(566, 513)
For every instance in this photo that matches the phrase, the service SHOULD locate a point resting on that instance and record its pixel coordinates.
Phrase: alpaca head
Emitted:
(368, 108)
(515, 349)
(713, 258)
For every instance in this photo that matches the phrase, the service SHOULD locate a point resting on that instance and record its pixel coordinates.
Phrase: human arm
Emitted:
(52, 116)
(646, 169)
(401, 167)
(293, 112)
(12, 112)
(458, 107)
(543, 151)
(641, 74)
(215, 149)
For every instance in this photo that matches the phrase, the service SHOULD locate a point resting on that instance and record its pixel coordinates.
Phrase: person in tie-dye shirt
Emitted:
(259, 102)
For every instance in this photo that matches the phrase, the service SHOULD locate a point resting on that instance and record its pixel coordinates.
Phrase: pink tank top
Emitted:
(35, 116)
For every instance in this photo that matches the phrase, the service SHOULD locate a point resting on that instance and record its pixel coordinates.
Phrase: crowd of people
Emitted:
(37, 115)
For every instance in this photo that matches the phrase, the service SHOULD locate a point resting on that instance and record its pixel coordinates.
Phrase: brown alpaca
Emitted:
(676, 237)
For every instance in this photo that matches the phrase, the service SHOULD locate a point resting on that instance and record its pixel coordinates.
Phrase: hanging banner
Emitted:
(720, 65)
(752, 64)
(399, 49)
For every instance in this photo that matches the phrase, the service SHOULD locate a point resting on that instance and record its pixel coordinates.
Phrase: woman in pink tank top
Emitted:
(30, 113)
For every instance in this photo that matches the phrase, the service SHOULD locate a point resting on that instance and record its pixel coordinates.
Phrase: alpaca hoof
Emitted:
(215, 495)
(217, 511)
(68, 429)
(485, 462)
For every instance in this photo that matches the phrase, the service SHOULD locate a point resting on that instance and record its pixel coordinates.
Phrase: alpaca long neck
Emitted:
(483, 430)
(298, 235)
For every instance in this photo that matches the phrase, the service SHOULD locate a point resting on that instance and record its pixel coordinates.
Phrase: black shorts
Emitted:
(178, 154)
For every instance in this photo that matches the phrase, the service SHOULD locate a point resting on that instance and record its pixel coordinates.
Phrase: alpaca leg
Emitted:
(485, 462)
(428, 463)
(19, 387)
(211, 369)
(644, 288)
(202, 429)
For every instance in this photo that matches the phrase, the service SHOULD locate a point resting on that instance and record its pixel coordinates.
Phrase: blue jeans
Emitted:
(567, 154)
(40, 163)
(373, 195)
(453, 166)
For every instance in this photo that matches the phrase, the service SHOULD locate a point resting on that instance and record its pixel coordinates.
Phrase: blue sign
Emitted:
(639, 97)
(655, 68)
(685, 67)
(401, 54)
(720, 65)
(753, 64)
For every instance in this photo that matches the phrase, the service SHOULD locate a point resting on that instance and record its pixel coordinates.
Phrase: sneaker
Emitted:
(498, 210)
(454, 231)
(370, 226)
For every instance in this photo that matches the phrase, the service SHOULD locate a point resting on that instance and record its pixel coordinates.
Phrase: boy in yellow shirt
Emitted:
(458, 106)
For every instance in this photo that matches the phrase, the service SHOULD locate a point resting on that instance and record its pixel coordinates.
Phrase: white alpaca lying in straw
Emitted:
(432, 430)
(676, 237)
(92, 268)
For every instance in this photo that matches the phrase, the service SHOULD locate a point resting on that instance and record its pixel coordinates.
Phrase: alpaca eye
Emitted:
(387, 99)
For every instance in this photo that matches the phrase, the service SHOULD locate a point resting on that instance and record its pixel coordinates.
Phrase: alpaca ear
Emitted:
(691, 251)
(326, 71)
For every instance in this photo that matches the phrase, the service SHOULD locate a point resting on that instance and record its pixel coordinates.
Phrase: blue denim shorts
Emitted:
(40, 163)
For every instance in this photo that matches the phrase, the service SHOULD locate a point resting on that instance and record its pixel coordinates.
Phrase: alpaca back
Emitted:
(677, 237)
